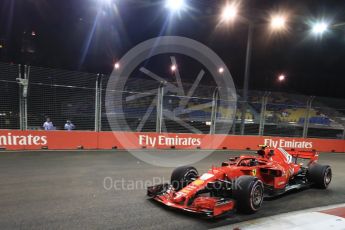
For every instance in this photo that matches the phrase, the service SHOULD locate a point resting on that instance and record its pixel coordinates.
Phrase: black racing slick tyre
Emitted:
(248, 193)
(320, 175)
(182, 176)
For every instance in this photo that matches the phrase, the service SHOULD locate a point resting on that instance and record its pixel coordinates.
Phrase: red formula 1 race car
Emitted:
(242, 182)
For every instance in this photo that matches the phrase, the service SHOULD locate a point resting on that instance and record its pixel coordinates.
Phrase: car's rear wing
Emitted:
(303, 154)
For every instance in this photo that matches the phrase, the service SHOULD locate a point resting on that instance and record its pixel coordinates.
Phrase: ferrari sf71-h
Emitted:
(241, 183)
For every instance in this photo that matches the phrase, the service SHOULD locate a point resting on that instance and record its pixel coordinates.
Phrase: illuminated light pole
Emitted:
(117, 65)
(278, 23)
(246, 75)
(105, 2)
(229, 13)
(281, 78)
(320, 28)
(175, 5)
(173, 68)
(221, 70)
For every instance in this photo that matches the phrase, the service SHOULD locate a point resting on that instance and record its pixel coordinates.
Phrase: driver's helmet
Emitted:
(262, 151)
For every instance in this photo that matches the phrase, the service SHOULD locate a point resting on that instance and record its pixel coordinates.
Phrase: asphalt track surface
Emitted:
(65, 190)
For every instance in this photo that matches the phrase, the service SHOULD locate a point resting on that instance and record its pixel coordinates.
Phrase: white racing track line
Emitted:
(328, 217)
(121, 150)
(139, 150)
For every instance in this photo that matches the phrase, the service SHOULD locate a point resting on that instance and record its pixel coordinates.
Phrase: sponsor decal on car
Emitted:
(198, 182)
(206, 176)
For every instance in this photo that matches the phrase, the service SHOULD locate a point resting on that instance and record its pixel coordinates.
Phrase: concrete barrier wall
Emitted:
(64, 140)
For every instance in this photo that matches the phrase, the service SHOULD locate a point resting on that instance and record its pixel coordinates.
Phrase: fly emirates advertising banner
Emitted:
(162, 140)
(60, 140)
(22, 139)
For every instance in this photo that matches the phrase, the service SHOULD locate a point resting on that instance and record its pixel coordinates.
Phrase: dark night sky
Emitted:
(313, 66)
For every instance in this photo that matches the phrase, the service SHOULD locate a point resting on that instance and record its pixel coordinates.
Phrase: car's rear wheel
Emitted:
(320, 175)
(249, 194)
(182, 176)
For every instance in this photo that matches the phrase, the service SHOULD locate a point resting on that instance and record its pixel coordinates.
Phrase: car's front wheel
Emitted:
(249, 194)
(182, 176)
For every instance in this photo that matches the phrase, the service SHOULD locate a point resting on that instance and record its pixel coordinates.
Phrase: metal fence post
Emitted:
(20, 92)
(263, 113)
(159, 118)
(25, 95)
(100, 103)
(243, 117)
(161, 110)
(233, 130)
(343, 133)
(214, 111)
(23, 91)
(306, 119)
(96, 105)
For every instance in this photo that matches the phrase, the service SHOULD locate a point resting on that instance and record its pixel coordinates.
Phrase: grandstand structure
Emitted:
(80, 97)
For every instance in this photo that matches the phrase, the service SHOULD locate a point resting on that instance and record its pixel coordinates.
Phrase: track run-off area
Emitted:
(107, 190)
